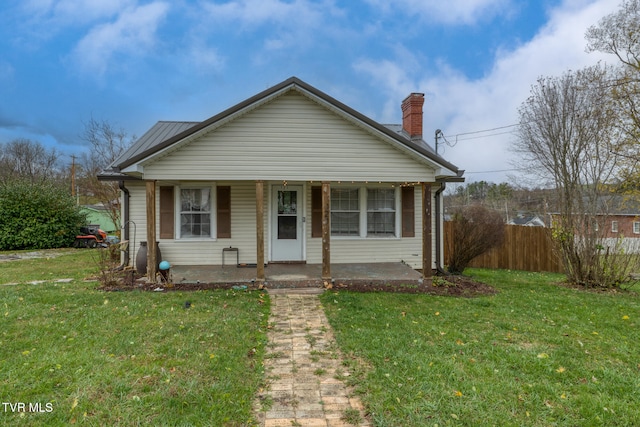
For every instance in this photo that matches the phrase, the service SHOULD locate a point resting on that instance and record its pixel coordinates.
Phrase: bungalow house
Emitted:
(288, 175)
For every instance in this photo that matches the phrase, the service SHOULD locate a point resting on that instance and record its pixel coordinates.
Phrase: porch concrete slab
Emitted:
(292, 275)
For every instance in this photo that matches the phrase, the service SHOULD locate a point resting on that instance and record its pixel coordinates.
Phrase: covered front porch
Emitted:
(297, 275)
(281, 221)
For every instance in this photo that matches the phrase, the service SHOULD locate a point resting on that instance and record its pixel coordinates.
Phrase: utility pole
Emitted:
(73, 176)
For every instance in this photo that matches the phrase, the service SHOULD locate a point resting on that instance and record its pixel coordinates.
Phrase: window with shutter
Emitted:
(223, 214)
(408, 212)
(167, 220)
(316, 211)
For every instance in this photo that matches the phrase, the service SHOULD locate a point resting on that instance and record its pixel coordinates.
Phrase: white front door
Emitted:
(287, 224)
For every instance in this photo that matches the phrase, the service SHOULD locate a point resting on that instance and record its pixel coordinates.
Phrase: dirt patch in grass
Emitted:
(459, 286)
(45, 253)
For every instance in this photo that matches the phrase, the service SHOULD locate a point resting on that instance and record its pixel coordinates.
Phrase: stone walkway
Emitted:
(303, 368)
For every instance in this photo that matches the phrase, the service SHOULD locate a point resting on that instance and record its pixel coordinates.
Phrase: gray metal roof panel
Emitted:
(159, 132)
(155, 140)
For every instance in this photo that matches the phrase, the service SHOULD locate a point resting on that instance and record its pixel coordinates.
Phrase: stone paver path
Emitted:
(303, 367)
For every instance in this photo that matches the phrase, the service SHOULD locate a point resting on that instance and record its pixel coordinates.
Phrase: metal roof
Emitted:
(159, 132)
(165, 133)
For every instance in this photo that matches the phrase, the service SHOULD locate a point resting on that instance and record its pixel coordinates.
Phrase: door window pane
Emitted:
(287, 227)
(287, 202)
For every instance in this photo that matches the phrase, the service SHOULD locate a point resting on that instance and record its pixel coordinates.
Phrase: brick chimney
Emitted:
(412, 115)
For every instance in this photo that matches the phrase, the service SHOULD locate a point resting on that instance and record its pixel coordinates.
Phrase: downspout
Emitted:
(125, 221)
(439, 267)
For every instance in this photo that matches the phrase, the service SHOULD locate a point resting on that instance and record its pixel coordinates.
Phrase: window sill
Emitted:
(365, 238)
(194, 239)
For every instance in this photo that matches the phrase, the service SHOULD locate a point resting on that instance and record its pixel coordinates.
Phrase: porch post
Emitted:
(426, 230)
(326, 230)
(151, 231)
(260, 231)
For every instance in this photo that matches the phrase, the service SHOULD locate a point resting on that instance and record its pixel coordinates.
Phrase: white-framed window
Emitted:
(196, 212)
(364, 212)
(345, 212)
(636, 227)
(614, 226)
(381, 212)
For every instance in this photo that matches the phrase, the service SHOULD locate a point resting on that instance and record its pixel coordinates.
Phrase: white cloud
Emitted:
(204, 59)
(53, 15)
(7, 71)
(132, 33)
(257, 12)
(448, 12)
(394, 83)
(289, 22)
(457, 104)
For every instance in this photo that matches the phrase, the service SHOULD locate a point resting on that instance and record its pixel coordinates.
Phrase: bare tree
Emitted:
(567, 131)
(476, 229)
(30, 161)
(619, 34)
(106, 143)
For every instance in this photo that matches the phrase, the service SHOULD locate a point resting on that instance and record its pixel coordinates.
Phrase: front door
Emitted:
(287, 226)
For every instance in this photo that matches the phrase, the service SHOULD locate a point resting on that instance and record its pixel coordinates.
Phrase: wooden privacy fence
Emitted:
(524, 248)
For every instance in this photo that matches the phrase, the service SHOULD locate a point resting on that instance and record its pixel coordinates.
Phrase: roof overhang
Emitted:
(133, 167)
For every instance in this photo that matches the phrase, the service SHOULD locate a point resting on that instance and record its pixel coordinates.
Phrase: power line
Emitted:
(486, 130)
(458, 135)
(440, 134)
(482, 136)
(495, 171)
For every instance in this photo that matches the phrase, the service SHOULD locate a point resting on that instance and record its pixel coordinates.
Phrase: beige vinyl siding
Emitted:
(137, 217)
(356, 249)
(202, 251)
(291, 138)
(243, 233)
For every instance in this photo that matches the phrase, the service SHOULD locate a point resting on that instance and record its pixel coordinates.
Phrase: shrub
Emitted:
(476, 229)
(37, 216)
(591, 259)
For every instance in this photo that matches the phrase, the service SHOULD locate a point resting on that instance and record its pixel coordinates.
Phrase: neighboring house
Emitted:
(99, 214)
(288, 175)
(527, 221)
(622, 230)
(623, 218)
(616, 225)
(618, 216)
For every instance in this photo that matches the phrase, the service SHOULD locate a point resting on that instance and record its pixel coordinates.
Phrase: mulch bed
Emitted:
(459, 286)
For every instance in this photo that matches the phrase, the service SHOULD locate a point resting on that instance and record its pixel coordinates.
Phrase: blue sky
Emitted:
(134, 62)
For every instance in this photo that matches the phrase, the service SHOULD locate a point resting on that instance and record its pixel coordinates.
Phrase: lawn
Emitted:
(536, 354)
(82, 356)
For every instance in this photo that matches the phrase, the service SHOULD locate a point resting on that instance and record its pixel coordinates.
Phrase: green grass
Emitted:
(536, 354)
(125, 358)
(56, 264)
